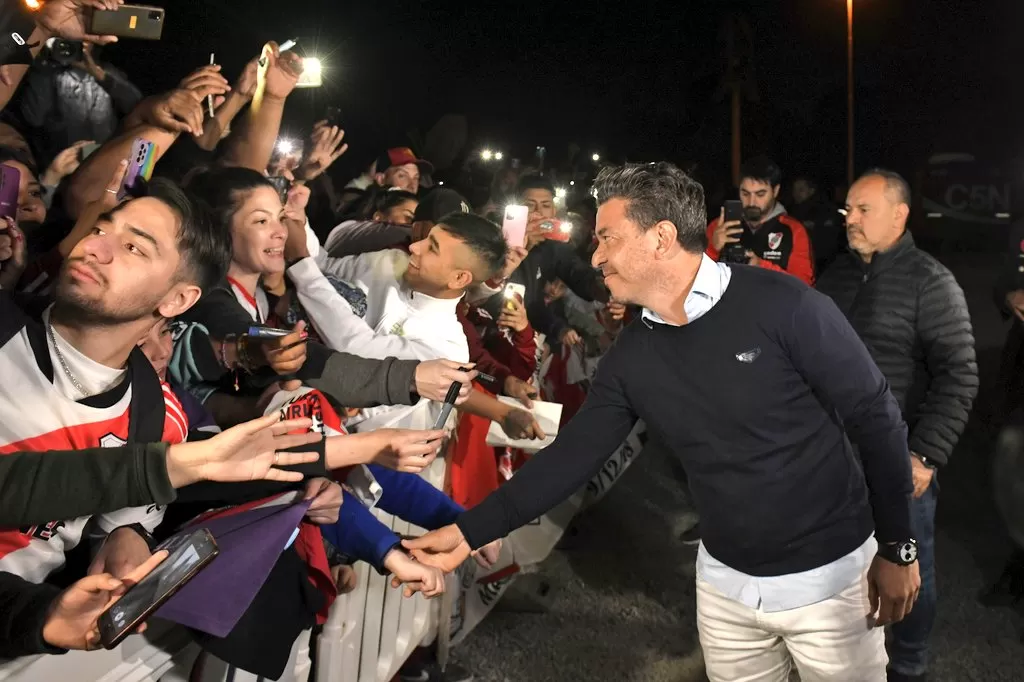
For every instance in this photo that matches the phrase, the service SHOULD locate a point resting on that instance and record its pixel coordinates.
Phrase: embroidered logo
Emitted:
(774, 240)
(397, 329)
(748, 356)
(111, 441)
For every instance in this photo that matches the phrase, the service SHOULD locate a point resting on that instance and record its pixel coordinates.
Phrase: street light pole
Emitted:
(849, 92)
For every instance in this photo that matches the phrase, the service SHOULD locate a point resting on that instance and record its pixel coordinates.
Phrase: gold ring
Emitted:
(277, 456)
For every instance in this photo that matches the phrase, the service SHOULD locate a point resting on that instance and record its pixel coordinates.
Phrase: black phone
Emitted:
(733, 209)
(129, 21)
(282, 185)
(332, 115)
(189, 554)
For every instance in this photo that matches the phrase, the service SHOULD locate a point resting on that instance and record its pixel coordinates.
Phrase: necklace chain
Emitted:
(63, 363)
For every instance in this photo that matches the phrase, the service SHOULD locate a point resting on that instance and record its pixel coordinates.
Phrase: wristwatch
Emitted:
(902, 553)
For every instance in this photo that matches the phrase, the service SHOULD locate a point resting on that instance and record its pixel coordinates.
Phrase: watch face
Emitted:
(907, 552)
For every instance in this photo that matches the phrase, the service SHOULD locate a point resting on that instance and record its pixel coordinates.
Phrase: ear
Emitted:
(180, 298)
(901, 213)
(379, 178)
(775, 191)
(667, 237)
(460, 279)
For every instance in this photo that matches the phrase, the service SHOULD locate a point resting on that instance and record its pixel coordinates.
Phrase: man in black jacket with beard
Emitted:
(911, 314)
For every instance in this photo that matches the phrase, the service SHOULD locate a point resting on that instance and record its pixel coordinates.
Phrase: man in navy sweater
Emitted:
(760, 386)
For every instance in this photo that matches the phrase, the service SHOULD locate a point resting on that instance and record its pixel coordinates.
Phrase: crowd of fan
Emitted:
(388, 290)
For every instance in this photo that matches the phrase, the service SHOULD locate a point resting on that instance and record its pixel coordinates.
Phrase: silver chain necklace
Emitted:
(63, 362)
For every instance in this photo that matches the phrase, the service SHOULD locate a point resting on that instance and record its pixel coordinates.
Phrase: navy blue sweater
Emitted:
(761, 398)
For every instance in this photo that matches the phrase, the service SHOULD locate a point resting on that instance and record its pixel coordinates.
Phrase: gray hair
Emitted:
(657, 192)
(894, 182)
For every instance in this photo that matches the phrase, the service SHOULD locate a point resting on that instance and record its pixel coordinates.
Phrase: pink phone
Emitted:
(10, 183)
(140, 164)
(514, 225)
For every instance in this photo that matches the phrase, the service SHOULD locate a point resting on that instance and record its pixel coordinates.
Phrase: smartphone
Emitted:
(515, 291)
(282, 185)
(557, 230)
(514, 225)
(140, 165)
(189, 554)
(733, 210)
(129, 21)
(10, 187)
(364, 486)
(332, 115)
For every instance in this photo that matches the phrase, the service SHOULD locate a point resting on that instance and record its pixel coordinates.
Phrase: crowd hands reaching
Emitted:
(117, 274)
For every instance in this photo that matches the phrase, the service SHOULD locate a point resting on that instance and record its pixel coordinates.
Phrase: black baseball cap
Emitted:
(438, 203)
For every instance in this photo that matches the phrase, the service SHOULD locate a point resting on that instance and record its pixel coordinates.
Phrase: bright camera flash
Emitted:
(498, 156)
(285, 146)
(486, 155)
(595, 158)
(560, 193)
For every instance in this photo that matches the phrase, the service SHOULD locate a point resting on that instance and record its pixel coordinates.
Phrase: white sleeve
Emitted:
(343, 330)
(150, 517)
(349, 268)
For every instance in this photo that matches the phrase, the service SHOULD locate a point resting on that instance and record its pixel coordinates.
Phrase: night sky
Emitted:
(636, 80)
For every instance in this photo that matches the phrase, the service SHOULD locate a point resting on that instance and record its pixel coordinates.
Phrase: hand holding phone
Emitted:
(514, 225)
(140, 165)
(557, 230)
(129, 21)
(71, 622)
(189, 553)
(10, 188)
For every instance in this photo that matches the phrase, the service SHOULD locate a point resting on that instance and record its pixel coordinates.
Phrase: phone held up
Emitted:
(514, 225)
(10, 183)
(558, 230)
(140, 166)
(188, 554)
(129, 21)
(733, 252)
(514, 292)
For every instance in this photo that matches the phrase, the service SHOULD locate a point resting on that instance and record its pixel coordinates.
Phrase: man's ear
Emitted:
(775, 191)
(460, 279)
(180, 298)
(668, 237)
(902, 212)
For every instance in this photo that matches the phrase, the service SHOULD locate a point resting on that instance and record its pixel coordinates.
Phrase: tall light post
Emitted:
(849, 92)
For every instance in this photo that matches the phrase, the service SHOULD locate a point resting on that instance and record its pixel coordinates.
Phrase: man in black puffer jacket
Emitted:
(911, 314)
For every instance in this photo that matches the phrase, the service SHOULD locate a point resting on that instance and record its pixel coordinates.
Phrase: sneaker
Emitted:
(691, 536)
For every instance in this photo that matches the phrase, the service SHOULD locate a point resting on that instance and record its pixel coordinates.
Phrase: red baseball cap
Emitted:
(400, 156)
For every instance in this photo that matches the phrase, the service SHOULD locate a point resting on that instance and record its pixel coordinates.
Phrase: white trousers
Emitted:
(832, 640)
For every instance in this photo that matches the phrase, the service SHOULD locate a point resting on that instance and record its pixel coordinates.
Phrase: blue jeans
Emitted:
(908, 643)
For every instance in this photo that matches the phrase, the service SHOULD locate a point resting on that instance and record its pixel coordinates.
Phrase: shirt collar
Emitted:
(707, 288)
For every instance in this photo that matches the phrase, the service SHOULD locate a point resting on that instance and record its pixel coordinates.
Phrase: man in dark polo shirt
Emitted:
(759, 385)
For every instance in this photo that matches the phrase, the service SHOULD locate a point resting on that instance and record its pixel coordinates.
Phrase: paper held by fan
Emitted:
(547, 415)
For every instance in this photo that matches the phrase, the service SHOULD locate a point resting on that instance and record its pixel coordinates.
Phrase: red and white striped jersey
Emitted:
(35, 416)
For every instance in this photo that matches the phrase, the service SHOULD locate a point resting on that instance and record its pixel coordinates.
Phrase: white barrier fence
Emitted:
(369, 633)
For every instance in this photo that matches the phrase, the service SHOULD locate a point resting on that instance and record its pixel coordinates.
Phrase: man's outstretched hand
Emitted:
(444, 548)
